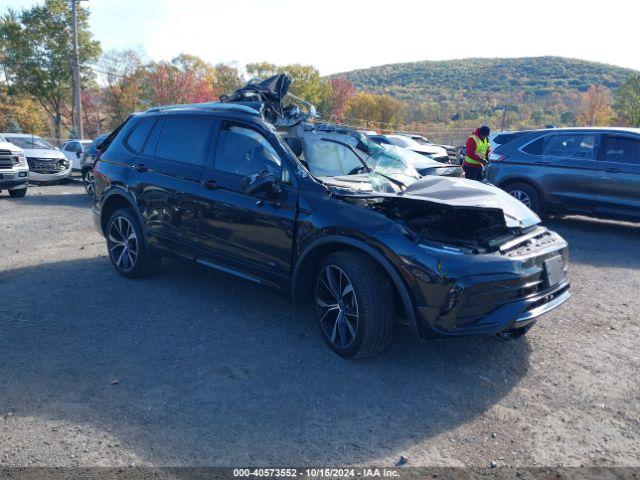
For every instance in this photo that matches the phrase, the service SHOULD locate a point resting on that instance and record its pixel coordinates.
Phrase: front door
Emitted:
(619, 183)
(251, 233)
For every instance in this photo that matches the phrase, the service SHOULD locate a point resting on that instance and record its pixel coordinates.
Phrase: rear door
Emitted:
(166, 177)
(570, 170)
(251, 233)
(619, 185)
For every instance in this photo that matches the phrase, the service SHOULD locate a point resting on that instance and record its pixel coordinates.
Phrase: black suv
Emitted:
(219, 185)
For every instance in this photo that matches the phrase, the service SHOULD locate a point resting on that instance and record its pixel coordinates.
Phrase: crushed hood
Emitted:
(460, 192)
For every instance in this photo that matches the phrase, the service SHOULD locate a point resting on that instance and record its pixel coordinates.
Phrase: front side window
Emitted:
(571, 145)
(622, 150)
(243, 151)
(185, 139)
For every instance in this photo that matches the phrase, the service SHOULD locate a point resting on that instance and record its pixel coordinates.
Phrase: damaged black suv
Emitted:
(356, 233)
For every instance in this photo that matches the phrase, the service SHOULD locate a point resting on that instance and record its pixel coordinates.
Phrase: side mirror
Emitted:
(262, 182)
(79, 154)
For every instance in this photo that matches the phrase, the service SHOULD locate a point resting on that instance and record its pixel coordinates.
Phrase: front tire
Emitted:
(526, 194)
(127, 249)
(354, 304)
(18, 193)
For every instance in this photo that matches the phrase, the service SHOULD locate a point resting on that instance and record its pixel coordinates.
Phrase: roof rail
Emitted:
(206, 106)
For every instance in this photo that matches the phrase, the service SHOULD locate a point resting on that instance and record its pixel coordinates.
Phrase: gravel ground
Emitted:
(194, 367)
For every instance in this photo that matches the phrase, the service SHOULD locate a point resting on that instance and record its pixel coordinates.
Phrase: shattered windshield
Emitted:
(338, 154)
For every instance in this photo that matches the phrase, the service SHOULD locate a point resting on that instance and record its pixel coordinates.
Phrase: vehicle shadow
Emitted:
(592, 233)
(194, 367)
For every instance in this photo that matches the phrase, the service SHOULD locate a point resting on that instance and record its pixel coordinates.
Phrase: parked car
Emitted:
(88, 159)
(73, 150)
(46, 162)
(451, 150)
(216, 184)
(439, 154)
(334, 157)
(14, 171)
(592, 171)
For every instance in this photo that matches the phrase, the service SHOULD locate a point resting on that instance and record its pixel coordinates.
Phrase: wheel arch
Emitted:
(305, 267)
(116, 199)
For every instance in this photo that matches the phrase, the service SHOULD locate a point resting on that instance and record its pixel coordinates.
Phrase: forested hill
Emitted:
(539, 76)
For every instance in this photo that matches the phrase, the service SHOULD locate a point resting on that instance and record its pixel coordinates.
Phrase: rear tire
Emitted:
(526, 194)
(127, 249)
(354, 304)
(18, 193)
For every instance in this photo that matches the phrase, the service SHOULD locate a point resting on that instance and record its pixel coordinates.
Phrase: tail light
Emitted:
(496, 157)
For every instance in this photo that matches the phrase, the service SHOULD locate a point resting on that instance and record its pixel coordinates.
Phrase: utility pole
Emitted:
(75, 66)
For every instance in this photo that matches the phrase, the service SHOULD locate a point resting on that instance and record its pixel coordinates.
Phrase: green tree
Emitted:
(36, 52)
(627, 102)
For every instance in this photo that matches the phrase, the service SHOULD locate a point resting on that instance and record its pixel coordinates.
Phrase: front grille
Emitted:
(7, 159)
(46, 165)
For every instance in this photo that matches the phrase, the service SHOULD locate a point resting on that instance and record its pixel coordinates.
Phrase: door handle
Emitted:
(141, 167)
(612, 170)
(210, 184)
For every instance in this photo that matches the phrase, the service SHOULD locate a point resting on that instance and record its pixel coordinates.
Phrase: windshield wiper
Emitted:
(364, 162)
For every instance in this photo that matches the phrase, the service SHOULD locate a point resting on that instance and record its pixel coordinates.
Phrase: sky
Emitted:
(343, 35)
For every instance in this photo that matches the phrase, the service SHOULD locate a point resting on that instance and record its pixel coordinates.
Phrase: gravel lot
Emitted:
(194, 367)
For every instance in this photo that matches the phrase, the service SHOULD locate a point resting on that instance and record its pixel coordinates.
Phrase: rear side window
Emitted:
(535, 147)
(571, 146)
(137, 137)
(185, 139)
(622, 150)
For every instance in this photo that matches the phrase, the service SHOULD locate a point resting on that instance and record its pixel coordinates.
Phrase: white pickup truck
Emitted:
(14, 170)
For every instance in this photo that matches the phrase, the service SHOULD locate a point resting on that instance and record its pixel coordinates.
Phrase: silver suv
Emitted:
(590, 171)
(14, 171)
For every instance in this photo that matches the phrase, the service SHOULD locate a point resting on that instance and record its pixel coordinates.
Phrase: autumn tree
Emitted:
(20, 113)
(36, 52)
(342, 92)
(121, 72)
(595, 108)
(627, 102)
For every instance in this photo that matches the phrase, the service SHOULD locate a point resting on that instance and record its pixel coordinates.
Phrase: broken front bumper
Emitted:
(502, 293)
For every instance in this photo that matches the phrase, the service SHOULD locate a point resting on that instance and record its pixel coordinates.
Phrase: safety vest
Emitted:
(481, 150)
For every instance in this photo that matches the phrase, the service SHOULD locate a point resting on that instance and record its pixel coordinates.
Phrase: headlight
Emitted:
(22, 160)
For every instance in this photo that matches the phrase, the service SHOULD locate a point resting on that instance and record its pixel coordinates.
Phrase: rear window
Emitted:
(184, 139)
(139, 135)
